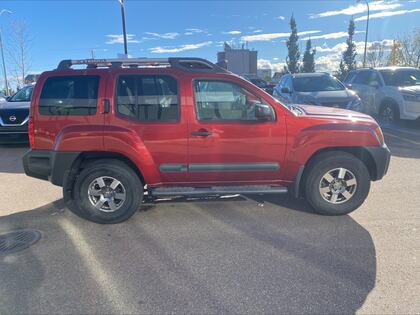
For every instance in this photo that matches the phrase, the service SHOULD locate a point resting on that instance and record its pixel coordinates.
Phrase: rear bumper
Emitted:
(49, 165)
(382, 157)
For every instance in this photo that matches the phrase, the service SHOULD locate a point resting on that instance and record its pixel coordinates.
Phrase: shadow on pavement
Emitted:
(403, 143)
(11, 157)
(242, 256)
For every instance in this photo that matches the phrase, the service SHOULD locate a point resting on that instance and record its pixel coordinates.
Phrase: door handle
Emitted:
(201, 133)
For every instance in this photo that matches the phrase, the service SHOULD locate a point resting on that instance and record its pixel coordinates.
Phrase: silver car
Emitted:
(391, 93)
(316, 89)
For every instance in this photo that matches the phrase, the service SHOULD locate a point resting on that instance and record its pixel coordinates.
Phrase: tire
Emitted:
(388, 113)
(318, 186)
(121, 202)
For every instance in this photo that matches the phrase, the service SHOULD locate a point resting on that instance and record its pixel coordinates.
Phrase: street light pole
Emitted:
(123, 26)
(6, 84)
(366, 33)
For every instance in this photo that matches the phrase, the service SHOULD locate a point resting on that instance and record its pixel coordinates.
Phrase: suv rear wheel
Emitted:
(336, 183)
(388, 113)
(107, 191)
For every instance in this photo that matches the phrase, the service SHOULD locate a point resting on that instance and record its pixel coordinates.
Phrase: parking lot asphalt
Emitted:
(236, 254)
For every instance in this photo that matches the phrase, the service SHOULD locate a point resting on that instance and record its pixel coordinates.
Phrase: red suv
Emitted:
(119, 129)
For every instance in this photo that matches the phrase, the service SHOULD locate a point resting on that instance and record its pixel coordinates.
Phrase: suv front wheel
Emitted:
(336, 183)
(107, 191)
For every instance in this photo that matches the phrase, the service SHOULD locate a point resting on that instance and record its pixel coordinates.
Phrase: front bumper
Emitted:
(14, 134)
(381, 156)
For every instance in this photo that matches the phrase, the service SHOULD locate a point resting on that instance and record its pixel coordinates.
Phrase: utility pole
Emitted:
(123, 26)
(6, 85)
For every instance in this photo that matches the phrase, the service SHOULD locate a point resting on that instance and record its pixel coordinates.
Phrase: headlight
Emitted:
(356, 105)
(410, 97)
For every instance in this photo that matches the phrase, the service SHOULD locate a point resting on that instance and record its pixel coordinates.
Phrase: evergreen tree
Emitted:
(293, 48)
(348, 60)
(309, 58)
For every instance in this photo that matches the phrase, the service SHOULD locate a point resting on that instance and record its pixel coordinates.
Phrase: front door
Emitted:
(229, 140)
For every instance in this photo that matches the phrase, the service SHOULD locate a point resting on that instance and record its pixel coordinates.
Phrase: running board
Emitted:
(217, 190)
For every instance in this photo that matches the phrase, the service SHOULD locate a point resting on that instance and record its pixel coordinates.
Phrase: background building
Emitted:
(240, 61)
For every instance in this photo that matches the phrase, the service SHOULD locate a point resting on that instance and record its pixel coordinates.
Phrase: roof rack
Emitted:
(185, 64)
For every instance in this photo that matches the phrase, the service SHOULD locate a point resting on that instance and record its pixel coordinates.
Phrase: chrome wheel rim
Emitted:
(338, 185)
(387, 115)
(106, 194)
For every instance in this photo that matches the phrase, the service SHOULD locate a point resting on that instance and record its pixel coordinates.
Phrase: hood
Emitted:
(14, 105)
(415, 89)
(332, 113)
(338, 99)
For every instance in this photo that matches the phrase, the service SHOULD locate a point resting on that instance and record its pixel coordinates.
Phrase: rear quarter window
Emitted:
(69, 95)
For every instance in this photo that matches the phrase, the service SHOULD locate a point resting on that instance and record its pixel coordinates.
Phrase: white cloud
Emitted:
(330, 61)
(281, 17)
(171, 35)
(360, 8)
(331, 35)
(271, 36)
(162, 50)
(267, 64)
(232, 32)
(192, 31)
(257, 31)
(119, 39)
(386, 14)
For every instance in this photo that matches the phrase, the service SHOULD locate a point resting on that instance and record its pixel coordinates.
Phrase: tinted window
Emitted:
(224, 101)
(367, 78)
(404, 77)
(69, 95)
(350, 76)
(23, 95)
(317, 83)
(148, 98)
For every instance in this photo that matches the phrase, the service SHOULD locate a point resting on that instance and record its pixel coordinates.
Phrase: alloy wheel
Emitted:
(106, 194)
(338, 185)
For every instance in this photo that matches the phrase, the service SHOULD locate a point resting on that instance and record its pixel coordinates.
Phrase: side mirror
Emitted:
(264, 112)
(349, 86)
(375, 84)
(285, 90)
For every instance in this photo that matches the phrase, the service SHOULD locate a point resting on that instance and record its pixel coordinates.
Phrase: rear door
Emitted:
(150, 104)
(227, 142)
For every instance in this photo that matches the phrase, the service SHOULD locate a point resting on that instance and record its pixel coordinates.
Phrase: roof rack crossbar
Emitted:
(185, 64)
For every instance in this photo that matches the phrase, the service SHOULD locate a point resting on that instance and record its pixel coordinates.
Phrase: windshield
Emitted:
(318, 83)
(23, 95)
(402, 77)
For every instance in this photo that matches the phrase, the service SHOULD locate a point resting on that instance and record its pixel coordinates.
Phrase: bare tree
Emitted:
(410, 49)
(395, 56)
(376, 54)
(19, 51)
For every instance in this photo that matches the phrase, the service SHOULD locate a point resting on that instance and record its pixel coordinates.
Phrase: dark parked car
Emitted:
(14, 116)
(317, 89)
(262, 84)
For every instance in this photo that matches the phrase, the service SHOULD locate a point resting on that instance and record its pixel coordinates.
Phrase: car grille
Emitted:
(13, 116)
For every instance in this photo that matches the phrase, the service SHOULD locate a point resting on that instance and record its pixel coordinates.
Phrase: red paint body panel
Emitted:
(289, 141)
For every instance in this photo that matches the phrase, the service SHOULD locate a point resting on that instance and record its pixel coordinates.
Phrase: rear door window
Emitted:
(69, 95)
(148, 97)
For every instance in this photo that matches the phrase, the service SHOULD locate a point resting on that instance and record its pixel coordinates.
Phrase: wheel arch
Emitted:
(84, 159)
(359, 152)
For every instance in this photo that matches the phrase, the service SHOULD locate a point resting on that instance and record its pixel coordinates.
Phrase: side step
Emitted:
(217, 190)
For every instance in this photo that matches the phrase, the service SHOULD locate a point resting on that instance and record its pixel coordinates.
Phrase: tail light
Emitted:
(379, 135)
(31, 129)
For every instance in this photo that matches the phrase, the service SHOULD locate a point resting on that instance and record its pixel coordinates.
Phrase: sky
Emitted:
(74, 29)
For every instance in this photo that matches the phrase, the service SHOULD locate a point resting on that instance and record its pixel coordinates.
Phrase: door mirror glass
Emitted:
(285, 90)
(263, 112)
